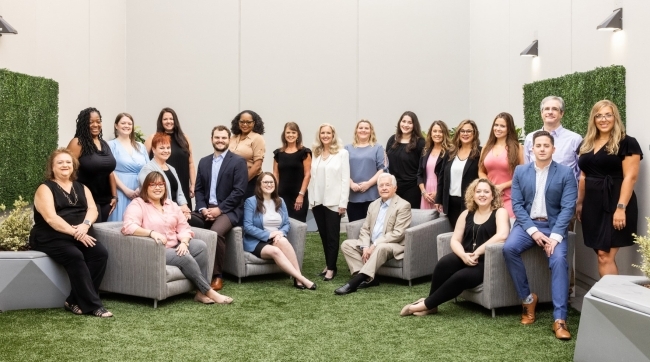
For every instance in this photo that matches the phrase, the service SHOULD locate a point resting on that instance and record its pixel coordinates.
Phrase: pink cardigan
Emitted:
(171, 222)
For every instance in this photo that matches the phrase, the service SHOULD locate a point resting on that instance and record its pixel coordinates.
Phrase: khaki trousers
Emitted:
(383, 252)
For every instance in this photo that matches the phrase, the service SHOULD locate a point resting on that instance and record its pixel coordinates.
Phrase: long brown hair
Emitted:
(152, 177)
(456, 144)
(292, 126)
(259, 194)
(177, 132)
(416, 134)
(445, 138)
(512, 142)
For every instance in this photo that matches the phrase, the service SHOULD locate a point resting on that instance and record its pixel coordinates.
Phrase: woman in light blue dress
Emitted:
(131, 156)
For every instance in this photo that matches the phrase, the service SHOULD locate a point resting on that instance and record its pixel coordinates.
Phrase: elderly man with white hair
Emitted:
(381, 237)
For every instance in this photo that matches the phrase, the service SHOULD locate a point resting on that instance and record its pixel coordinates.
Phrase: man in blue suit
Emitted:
(544, 197)
(221, 181)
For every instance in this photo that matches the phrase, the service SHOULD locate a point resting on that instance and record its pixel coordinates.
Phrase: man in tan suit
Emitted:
(381, 237)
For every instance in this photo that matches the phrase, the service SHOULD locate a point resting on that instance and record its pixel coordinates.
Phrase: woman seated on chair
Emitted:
(484, 222)
(154, 215)
(266, 224)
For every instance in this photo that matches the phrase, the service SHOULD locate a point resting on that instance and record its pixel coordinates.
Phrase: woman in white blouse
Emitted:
(329, 189)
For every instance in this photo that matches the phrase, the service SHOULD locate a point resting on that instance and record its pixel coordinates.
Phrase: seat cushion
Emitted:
(394, 263)
(477, 289)
(173, 273)
(252, 259)
(421, 216)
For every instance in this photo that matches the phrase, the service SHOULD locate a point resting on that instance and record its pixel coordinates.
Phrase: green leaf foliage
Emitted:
(580, 92)
(29, 108)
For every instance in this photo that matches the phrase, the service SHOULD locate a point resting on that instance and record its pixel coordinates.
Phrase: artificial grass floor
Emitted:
(272, 321)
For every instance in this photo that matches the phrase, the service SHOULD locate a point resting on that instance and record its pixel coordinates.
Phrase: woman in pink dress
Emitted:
(435, 149)
(501, 154)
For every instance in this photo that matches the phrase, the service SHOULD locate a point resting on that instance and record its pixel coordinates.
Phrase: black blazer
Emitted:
(422, 169)
(470, 173)
(231, 185)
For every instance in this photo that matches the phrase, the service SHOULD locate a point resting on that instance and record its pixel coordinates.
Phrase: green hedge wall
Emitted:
(580, 92)
(29, 130)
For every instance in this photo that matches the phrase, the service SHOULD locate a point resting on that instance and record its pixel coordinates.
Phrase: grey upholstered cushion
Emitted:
(421, 216)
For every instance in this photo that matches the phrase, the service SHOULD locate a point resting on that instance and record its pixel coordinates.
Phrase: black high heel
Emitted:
(326, 279)
(313, 287)
(295, 285)
(322, 274)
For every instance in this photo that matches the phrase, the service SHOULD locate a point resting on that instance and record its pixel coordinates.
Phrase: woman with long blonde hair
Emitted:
(609, 163)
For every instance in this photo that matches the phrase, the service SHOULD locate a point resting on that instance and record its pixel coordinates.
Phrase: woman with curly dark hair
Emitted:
(181, 156)
(403, 150)
(247, 129)
(96, 161)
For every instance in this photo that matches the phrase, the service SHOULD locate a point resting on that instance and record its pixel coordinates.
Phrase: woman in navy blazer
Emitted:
(266, 225)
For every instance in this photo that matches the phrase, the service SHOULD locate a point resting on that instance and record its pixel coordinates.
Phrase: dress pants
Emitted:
(383, 252)
(456, 207)
(329, 228)
(85, 267)
(519, 241)
(194, 265)
(450, 277)
(221, 225)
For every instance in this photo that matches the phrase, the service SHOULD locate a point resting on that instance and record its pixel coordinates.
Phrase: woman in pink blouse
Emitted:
(501, 154)
(154, 215)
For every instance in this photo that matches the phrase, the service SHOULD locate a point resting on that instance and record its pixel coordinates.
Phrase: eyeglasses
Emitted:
(551, 109)
(466, 131)
(157, 184)
(246, 122)
(607, 116)
(268, 182)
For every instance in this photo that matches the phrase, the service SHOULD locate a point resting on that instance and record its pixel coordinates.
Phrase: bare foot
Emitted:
(218, 298)
(407, 308)
(202, 298)
(426, 312)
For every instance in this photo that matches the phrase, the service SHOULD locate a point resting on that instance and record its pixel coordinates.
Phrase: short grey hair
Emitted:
(552, 98)
(393, 180)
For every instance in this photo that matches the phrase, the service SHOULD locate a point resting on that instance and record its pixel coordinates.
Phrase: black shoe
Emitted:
(326, 279)
(295, 285)
(346, 289)
(313, 287)
(364, 284)
(321, 274)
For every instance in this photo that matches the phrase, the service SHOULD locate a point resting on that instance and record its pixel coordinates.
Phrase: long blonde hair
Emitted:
(335, 146)
(373, 138)
(615, 136)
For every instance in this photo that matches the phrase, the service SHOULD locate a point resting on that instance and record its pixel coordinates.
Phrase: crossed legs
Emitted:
(285, 257)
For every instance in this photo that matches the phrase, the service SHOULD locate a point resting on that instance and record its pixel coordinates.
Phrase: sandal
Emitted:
(73, 308)
(102, 313)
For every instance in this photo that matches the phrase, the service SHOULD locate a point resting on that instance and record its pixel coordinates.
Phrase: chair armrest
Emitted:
(420, 251)
(297, 237)
(135, 266)
(210, 239)
(353, 229)
(444, 244)
(235, 263)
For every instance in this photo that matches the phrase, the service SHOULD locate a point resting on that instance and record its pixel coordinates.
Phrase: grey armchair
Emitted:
(243, 264)
(420, 251)
(136, 265)
(498, 289)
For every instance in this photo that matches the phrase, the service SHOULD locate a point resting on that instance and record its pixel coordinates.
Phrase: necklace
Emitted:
(76, 198)
(474, 235)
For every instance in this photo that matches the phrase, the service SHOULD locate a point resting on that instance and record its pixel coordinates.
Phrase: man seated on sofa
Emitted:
(380, 239)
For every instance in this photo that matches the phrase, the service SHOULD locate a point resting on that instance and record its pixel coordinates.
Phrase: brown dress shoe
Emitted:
(217, 283)
(528, 311)
(561, 330)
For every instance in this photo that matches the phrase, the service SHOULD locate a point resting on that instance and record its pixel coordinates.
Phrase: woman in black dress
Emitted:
(96, 161)
(609, 163)
(181, 157)
(292, 165)
(403, 150)
(64, 211)
(484, 222)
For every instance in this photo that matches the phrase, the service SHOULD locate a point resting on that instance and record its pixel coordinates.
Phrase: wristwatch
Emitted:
(620, 206)
(87, 222)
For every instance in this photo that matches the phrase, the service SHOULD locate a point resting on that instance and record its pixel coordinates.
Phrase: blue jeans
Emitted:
(519, 241)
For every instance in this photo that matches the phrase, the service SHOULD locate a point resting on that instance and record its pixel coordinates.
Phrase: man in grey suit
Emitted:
(544, 196)
(380, 239)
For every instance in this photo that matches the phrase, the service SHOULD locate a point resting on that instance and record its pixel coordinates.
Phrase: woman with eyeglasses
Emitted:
(247, 129)
(180, 156)
(403, 151)
(501, 154)
(460, 169)
(153, 215)
(609, 162)
(266, 225)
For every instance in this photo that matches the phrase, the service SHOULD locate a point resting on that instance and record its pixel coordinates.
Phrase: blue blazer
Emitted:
(231, 185)
(253, 224)
(561, 193)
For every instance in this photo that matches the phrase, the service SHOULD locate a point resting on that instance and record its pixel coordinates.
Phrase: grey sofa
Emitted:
(136, 265)
(498, 289)
(243, 264)
(420, 251)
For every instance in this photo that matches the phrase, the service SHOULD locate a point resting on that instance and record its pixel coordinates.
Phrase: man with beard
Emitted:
(219, 191)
